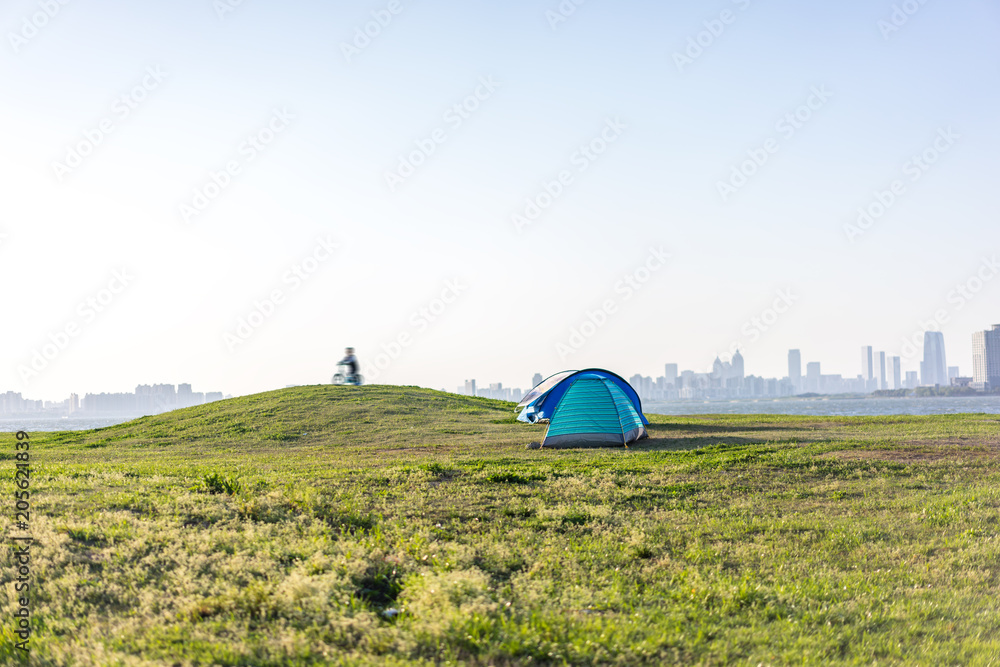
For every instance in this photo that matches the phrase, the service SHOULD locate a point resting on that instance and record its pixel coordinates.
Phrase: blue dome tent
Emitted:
(589, 408)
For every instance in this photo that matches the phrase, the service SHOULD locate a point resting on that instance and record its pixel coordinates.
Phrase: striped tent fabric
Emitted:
(593, 412)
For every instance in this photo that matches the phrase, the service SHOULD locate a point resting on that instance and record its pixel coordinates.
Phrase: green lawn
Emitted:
(289, 528)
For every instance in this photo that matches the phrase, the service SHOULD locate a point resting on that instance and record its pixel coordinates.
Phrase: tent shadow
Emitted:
(688, 427)
(679, 438)
(669, 444)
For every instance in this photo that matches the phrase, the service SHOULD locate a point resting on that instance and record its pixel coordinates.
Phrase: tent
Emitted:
(589, 408)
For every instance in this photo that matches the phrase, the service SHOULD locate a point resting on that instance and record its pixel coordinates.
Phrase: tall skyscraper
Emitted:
(986, 358)
(670, 373)
(867, 371)
(737, 370)
(536, 379)
(795, 369)
(470, 387)
(813, 377)
(896, 372)
(881, 371)
(934, 368)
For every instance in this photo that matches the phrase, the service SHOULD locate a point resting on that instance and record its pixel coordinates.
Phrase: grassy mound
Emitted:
(388, 525)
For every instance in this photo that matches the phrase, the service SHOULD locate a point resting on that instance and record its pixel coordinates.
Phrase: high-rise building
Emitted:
(536, 379)
(867, 371)
(881, 370)
(813, 377)
(470, 388)
(912, 380)
(934, 368)
(737, 369)
(986, 358)
(896, 372)
(953, 372)
(795, 369)
(670, 373)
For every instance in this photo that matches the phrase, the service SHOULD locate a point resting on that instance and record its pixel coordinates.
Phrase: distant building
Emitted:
(986, 358)
(110, 404)
(881, 371)
(155, 398)
(813, 377)
(670, 374)
(961, 381)
(867, 370)
(737, 370)
(722, 372)
(470, 388)
(912, 380)
(896, 372)
(795, 369)
(187, 398)
(953, 372)
(536, 379)
(934, 369)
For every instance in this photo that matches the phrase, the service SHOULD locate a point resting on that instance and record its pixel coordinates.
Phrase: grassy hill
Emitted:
(387, 525)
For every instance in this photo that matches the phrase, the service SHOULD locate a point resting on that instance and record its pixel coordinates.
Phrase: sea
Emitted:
(35, 424)
(831, 406)
(818, 406)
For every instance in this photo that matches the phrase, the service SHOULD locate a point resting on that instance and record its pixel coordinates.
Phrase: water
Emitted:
(33, 424)
(838, 407)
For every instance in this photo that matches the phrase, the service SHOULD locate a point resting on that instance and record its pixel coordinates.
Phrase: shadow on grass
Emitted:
(689, 427)
(666, 444)
(669, 438)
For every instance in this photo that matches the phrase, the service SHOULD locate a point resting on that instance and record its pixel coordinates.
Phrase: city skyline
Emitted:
(145, 399)
(878, 371)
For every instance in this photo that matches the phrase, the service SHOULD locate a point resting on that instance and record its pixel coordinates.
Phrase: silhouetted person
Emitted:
(350, 361)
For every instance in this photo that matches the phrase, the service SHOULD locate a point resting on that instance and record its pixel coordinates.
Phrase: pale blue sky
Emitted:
(324, 175)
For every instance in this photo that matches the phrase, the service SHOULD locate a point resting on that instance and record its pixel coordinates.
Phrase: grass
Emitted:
(386, 525)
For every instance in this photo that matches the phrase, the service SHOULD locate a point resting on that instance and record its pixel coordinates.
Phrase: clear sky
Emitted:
(181, 164)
